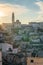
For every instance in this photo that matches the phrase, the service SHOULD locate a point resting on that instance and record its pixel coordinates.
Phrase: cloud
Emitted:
(40, 12)
(17, 9)
(40, 4)
(7, 10)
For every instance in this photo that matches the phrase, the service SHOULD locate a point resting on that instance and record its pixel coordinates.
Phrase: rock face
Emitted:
(34, 61)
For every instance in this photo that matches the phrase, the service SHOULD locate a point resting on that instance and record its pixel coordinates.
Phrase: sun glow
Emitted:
(2, 14)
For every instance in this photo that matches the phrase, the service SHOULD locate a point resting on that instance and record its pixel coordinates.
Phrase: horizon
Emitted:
(26, 11)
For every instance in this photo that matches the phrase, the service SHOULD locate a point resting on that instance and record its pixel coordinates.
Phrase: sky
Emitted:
(25, 10)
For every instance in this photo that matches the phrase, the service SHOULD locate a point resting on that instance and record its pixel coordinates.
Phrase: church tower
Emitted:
(13, 18)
